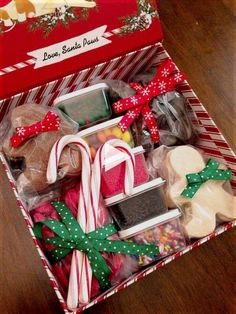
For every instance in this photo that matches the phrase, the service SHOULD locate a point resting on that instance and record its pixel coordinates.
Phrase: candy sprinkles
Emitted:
(167, 235)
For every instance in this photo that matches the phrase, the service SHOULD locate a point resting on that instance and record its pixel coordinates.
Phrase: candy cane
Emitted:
(79, 290)
(99, 163)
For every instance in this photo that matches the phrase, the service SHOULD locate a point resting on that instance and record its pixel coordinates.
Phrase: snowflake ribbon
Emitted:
(49, 123)
(164, 81)
(70, 236)
(211, 172)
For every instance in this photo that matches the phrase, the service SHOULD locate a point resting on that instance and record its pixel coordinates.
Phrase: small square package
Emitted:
(86, 106)
(97, 135)
(113, 179)
(164, 231)
(146, 202)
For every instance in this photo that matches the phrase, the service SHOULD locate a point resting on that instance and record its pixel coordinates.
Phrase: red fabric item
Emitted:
(164, 81)
(49, 123)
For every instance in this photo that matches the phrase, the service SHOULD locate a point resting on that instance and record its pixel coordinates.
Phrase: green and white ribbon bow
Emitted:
(70, 236)
(211, 172)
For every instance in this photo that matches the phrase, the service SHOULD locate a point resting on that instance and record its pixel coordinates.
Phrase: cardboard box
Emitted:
(124, 67)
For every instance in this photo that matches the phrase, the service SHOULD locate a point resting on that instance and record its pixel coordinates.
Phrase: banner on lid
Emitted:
(70, 48)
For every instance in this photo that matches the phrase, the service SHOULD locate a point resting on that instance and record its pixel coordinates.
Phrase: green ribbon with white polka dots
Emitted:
(70, 236)
(211, 172)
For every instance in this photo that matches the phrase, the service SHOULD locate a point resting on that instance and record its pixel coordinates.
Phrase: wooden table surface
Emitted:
(200, 37)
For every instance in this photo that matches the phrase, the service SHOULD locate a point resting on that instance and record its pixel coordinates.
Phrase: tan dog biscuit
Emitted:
(211, 199)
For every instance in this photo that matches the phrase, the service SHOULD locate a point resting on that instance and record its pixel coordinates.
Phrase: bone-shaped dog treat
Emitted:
(35, 151)
(209, 202)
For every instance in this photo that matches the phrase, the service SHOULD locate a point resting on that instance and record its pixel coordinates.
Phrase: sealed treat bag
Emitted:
(99, 134)
(33, 131)
(86, 106)
(164, 231)
(113, 175)
(146, 202)
(61, 269)
(157, 113)
(199, 186)
(85, 230)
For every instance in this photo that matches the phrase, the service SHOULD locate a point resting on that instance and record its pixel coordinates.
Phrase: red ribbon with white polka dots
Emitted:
(49, 123)
(164, 81)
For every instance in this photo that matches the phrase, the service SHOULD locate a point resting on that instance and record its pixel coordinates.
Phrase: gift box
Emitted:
(116, 64)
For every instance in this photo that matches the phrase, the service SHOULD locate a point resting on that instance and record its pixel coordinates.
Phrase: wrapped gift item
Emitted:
(86, 106)
(164, 231)
(32, 132)
(199, 187)
(54, 223)
(157, 113)
(97, 135)
(113, 179)
(62, 268)
(84, 229)
(146, 202)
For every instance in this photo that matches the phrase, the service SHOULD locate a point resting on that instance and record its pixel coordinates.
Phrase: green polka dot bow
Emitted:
(70, 236)
(211, 172)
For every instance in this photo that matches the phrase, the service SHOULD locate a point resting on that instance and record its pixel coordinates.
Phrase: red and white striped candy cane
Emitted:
(99, 163)
(79, 290)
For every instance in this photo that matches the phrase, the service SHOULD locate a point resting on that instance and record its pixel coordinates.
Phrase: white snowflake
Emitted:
(138, 87)
(134, 100)
(178, 77)
(154, 130)
(165, 72)
(20, 131)
(146, 92)
(122, 126)
(148, 116)
(118, 106)
(131, 115)
(162, 86)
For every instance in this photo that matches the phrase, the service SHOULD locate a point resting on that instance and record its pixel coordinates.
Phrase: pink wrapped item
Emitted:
(61, 270)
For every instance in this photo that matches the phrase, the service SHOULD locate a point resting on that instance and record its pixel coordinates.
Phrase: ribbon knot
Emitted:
(211, 172)
(70, 236)
(49, 123)
(164, 81)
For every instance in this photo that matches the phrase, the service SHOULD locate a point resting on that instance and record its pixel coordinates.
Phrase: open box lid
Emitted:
(43, 40)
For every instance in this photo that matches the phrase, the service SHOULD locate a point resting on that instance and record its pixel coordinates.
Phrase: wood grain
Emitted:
(201, 39)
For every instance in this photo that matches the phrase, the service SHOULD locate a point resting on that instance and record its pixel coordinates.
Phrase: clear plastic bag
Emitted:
(172, 114)
(28, 161)
(170, 110)
(212, 202)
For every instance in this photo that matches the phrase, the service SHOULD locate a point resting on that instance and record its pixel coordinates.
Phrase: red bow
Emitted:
(49, 123)
(163, 82)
